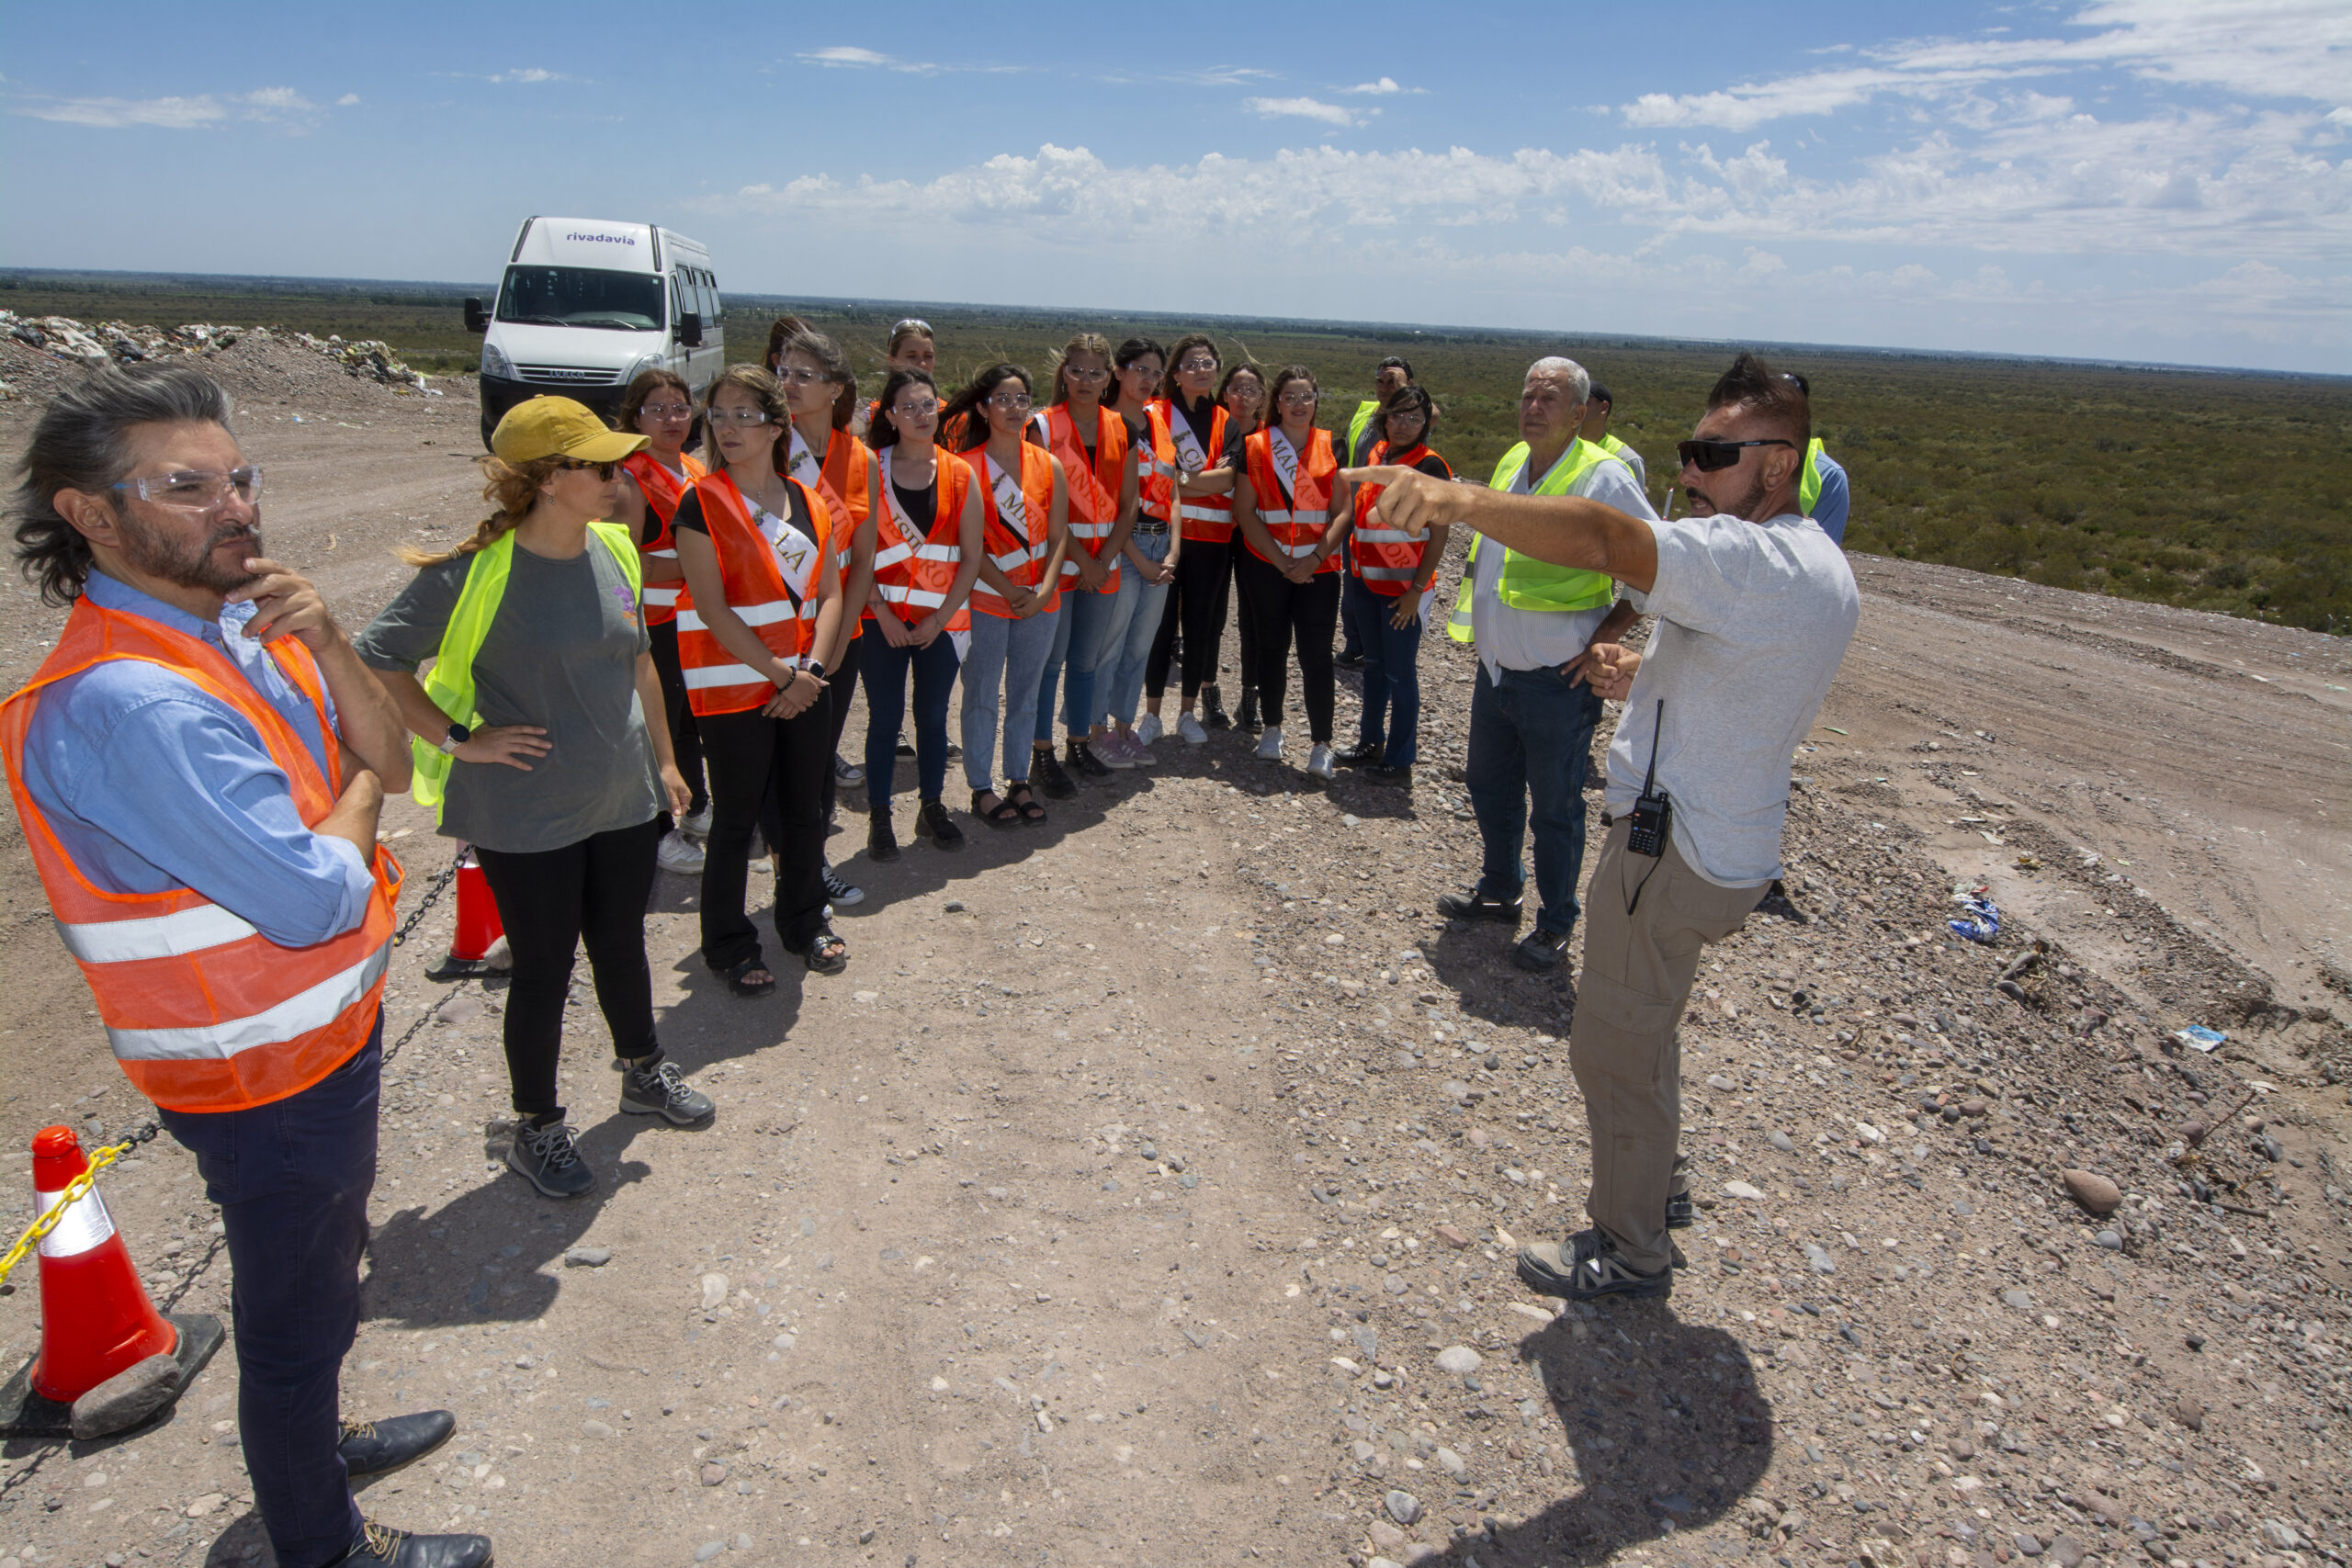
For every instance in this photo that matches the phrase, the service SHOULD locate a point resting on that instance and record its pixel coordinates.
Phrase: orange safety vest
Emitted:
(204, 1013)
(757, 591)
(912, 569)
(1208, 518)
(664, 490)
(1093, 489)
(1386, 559)
(1298, 516)
(840, 478)
(1019, 553)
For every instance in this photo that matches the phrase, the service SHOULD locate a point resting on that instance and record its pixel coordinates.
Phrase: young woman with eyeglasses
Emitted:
(1385, 597)
(766, 627)
(925, 514)
(1025, 506)
(911, 346)
(659, 407)
(534, 740)
(1191, 428)
(1092, 443)
(821, 392)
(1291, 504)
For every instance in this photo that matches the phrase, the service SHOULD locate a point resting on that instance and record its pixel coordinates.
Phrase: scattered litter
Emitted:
(1833, 730)
(2027, 862)
(129, 343)
(2197, 1037)
(1982, 923)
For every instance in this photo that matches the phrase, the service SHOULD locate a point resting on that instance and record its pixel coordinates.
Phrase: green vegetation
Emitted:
(2217, 491)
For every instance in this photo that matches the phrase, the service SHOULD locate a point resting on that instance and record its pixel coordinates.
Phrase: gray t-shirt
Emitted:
(1753, 620)
(561, 654)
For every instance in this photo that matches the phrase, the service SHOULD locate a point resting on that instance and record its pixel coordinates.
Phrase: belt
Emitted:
(1151, 528)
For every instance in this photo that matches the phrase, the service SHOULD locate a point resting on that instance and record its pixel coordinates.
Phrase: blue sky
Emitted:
(2140, 179)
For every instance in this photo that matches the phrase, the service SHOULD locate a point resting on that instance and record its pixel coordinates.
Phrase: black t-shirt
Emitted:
(922, 506)
(689, 514)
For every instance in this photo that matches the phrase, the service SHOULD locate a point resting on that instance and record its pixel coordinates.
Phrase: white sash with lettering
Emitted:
(1189, 455)
(1285, 464)
(796, 552)
(910, 538)
(1012, 506)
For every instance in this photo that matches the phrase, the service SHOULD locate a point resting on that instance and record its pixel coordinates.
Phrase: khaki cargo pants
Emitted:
(1640, 957)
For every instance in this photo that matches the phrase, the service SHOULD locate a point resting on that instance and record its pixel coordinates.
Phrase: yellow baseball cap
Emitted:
(559, 427)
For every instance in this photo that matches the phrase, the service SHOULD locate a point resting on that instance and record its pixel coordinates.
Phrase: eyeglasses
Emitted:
(1298, 399)
(197, 491)
(666, 411)
(927, 409)
(737, 416)
(1708, 456)
(1013, 402)
(604, 471)
(802, 378)
(1072, 373)
(1195, 365)
(912, 324)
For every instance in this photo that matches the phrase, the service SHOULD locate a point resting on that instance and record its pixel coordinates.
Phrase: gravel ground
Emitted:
(1145, 1191)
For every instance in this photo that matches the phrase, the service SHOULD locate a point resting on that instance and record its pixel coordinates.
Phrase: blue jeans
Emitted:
(884, 670)
(292, 1178)
(1128, 649)
(1531, 742)
(1000, 670)
(1392, 671)
(1098, 621)
(1049, 678)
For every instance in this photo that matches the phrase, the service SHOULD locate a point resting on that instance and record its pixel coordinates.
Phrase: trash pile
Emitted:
(124, 343)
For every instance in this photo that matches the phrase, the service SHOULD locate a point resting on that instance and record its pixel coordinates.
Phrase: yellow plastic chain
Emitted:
(99, 1160)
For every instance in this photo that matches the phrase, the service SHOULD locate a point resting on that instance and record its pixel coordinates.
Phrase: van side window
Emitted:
(710, 283)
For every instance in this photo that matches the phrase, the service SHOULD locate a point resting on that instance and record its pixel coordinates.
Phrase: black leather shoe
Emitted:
(1046, 769)
(378, 1447)
(940, 827)
(1359, 755)
(1395, 778)
(380, 1546)
(1476, 906)
(1349, 660)
(881, 838)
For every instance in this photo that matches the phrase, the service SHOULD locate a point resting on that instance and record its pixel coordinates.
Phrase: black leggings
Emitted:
(767, 774)
(1196, 605)
(684, 739)
(591, 893)
(1281, 607)
(841, 692)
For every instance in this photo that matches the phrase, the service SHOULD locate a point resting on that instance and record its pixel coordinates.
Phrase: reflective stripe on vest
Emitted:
(840, 478)
(1298, 529)
(1527, 583)
(1156, 466)
(716, 681)
(1385, 558)
(203, 1012)
(916, 570)
(1208, 518)
(1809, 486)
(450, 682)
(1093, 499)
(1017, 525)
(663, 490)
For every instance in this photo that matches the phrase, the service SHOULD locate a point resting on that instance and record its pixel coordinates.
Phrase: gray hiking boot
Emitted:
(548, 1158)
(661, 1089)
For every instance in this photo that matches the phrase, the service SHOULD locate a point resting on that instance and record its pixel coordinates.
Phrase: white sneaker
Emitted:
(1151, 730)
(1190, 728)
(698, 825)
(1318, 761)
(678, 854)
(1270, 744)
(1133, 740)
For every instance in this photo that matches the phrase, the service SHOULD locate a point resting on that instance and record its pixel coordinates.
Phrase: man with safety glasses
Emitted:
(198, 766)
(1755, 606)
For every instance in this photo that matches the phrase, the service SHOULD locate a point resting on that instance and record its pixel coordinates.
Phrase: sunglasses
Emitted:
(912, 324)
(604, 471)
(1707, 456)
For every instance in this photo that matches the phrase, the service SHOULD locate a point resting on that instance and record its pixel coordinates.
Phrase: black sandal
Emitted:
(1004, 814)
(743, 987)
(826, 953)
(1023, 801)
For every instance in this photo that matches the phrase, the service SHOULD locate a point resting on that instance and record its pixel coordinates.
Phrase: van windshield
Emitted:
(581, 297)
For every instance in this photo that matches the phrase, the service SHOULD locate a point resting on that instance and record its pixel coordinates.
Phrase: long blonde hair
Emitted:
(512, 488)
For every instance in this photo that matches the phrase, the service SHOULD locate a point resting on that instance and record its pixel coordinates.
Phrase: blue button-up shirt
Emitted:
(151, 784)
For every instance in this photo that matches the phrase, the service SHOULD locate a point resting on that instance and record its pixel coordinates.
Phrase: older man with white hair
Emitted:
(1533, 714)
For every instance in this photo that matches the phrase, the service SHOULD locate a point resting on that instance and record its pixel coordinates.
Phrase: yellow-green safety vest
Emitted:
(1528, 583)
(1809, 486)
(1356, 422)
(450, 682)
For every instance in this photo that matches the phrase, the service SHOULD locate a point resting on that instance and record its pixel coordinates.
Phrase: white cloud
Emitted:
(845, 54)
(1387, 86)
(281, 106)
(1303, 108)
(851, 57)
(1224, 76)
(345, 101)
(529, 75)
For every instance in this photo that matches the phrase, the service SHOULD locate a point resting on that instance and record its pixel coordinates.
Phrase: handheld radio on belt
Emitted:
(1653, 815)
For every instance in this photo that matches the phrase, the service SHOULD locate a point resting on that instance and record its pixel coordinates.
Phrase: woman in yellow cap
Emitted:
(532, 734)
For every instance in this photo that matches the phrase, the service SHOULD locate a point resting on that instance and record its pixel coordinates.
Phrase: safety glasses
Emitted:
(1707, 456)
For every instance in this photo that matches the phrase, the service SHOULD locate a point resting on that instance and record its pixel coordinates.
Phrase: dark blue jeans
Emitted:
(1392, 671)
(884, 669)
(293, 1179)
(1531, 745)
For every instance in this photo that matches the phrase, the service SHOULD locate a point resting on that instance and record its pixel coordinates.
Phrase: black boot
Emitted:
(881, 840)
(941, 827)
(1213, 714)
(1247, 720)
(378, 1447)
(1046, 769)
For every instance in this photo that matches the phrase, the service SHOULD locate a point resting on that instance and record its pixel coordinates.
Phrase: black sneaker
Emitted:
(1350, 658)
(1213, 714)
(1541, 951)
(1586, 1266)
(662, 1090)
(1082, 761)
(1392, 778)
(379, 1448)
(843, 894)
(1362, 754)
(906, 749)
(1246, 717)
(1476, 906)
(380, 1546)
(1047, 770)
(941, 827)
(548, 1158)
(881, 838)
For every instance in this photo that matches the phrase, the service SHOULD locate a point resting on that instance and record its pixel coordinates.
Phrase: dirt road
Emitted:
(1143, 1192)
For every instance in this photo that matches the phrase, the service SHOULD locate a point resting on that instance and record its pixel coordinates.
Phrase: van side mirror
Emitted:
(690, 328)
(476, 321)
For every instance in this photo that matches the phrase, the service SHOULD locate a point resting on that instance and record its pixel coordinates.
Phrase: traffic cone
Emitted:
(95, 1318)
(478, 922)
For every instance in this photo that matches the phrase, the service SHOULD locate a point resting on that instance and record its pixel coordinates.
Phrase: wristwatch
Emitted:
(458, 734)
(816, 668)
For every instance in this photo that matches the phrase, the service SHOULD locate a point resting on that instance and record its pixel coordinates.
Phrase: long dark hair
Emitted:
(1283, 377)
(1409, 396)
(640, 391)
(1189, 340)
(1249, 368)
(964, 417)
(884, 430)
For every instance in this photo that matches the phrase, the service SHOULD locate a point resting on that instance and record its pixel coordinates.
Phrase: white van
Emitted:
(589, 303)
